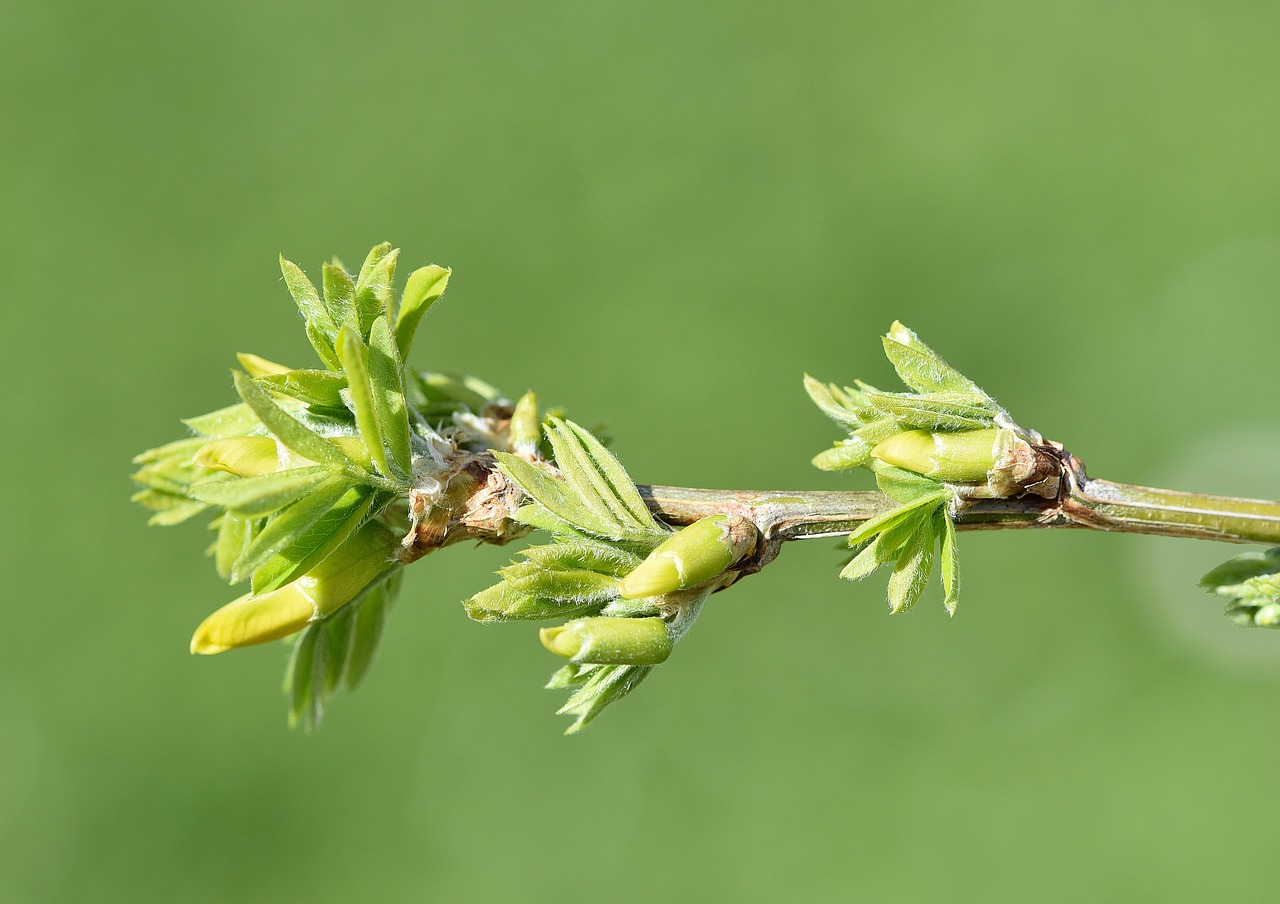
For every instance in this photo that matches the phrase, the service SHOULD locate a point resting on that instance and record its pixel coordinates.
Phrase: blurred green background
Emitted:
(659, 215)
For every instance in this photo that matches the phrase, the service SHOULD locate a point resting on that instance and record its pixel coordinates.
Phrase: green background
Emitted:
(659, 215)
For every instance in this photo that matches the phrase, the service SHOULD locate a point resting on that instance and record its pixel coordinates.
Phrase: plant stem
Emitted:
(1096, 504)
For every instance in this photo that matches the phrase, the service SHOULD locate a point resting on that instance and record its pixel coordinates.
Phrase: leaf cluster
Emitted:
(940, 400)
(309, 455)
(1251, 585)
(602, 530)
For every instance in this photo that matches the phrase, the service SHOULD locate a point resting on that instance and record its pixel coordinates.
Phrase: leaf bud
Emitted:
(693, 556)
(526, 430)
(610, 641)
(336, 581)
(964, 457)
(244, 456)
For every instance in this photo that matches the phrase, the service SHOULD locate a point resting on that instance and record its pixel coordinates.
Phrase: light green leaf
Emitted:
(236, 420)
(841, 406)
(424, 288)
(885, 547)
(592, 473)
(883, 522)
(177, 514)
(323, 347)
(261, 495)
(234, 535)
(911, 573)
(286, 527)
(937, 411)
(603, 686)
(371, 617)
(287, 429)
(556, 496)
(308, 301)
(315, 544)
(315, 388)
(920, 367)
(949, 562)
(355, 364)
(386, 383)
(373, 290)
(304, 708)
(372, 259)
(905, 486)
(340, 299)
(183, 448)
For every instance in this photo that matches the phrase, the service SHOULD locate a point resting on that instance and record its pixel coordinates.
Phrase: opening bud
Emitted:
(610, 641)
(697, 554)
(526, 429)
(336, 581)
(244, 456)
(964, 457)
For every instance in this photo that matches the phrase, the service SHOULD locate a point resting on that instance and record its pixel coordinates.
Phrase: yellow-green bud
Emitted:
(963, 457)
(695, 555)
(610, 641)
(244, 456)
(260, 367)
(336, 581)
(526, 430)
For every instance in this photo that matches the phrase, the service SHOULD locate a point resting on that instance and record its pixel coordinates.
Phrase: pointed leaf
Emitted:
(920, 367)
(373, 290)
(263, 494)
(424, 288)
(340, 299)
(286, 527)
(371, 617)
(386, 382)
(287, 429)
(315, 388)
(308, 301)
(911, 572)
(355, 364)
(317, 542)
(949, 563)
(883, 522)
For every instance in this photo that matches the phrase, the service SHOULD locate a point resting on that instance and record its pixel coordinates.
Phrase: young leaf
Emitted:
(308, 301)
(370, 619)
(373, 290)
(604, 685)
(374, 257)
(315, 388)
(911, 573)
(355, 364)
(323, 347)
(920, 367)
(287, 429)
(557, 497)
(937, 411)
(304, 707)
(340, 299)
(587, 477)
(261, 495)
(386, 382)
(948, 563)
(286, 527)
(315, 544)
(880, 523)
(234, 534)
(424, 288)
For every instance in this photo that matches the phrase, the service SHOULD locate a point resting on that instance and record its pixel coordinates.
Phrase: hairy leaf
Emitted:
(287, 429)
(424, 288)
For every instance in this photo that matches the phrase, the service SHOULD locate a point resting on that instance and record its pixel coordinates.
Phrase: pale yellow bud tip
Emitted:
(561, 640)
(251, 620)
(652, 577)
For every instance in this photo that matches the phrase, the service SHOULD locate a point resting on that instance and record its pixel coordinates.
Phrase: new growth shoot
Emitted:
(324, 482)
